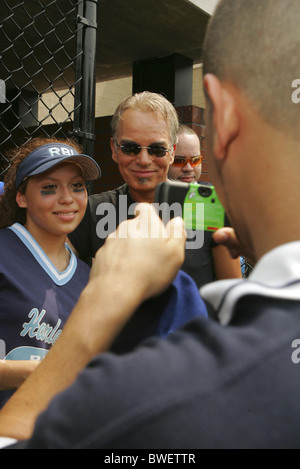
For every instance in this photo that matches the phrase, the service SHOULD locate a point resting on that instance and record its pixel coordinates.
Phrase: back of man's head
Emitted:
(255, 45)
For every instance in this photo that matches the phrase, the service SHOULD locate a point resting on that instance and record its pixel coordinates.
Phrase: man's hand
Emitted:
(142, 255)
(227, 237)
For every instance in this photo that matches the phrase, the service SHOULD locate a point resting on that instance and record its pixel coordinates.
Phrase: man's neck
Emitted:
(140, 197)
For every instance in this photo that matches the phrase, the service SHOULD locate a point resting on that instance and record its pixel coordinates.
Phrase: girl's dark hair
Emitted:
(10, 212)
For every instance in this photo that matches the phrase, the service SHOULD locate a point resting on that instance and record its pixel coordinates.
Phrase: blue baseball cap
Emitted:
(1, 187)
(47, 156)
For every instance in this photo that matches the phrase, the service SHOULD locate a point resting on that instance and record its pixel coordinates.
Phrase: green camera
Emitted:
(197, 204)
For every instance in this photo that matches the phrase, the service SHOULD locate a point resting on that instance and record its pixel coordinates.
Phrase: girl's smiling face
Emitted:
(55, 201)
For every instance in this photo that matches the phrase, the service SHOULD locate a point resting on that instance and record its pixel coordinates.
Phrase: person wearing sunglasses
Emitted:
(143, 144)
(187, 164)
(210, 262)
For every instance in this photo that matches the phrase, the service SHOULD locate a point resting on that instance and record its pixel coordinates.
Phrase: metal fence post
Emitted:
(84, 123)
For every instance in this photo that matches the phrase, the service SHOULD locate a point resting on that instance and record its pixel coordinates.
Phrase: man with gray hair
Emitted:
(143, 143)
(211, 385)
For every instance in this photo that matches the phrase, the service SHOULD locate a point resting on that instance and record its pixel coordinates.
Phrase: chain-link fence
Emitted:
(47, 72)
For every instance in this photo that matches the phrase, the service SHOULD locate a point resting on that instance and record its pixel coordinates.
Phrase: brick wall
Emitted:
(111, 177)
(192, 116)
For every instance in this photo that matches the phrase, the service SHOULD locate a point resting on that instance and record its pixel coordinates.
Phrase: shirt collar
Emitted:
(59, 278)
(4, 442)
(276, 275)
(278, 267)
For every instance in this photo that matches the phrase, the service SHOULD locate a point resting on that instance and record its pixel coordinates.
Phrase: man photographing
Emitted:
(211, 385)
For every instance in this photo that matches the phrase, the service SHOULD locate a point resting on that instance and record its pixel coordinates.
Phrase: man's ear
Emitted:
(225, 117)
(113, 151)
(21, 200)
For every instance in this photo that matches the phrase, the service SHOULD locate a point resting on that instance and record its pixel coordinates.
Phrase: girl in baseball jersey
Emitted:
(41, 279)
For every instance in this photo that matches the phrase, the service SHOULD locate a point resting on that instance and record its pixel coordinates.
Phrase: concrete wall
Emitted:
(108, 96)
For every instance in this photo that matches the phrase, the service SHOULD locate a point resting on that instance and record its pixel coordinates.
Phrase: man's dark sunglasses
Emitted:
(133, 149)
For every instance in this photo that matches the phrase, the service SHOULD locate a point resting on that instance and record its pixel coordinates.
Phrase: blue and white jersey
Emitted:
(35, 298)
